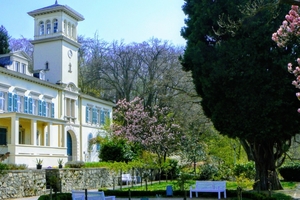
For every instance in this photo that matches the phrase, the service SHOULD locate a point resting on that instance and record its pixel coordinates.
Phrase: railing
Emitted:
(22, 149)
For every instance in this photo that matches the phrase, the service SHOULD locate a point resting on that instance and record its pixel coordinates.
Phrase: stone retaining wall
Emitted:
(25, 183)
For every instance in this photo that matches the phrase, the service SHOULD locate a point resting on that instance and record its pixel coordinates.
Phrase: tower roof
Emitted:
(56, 8)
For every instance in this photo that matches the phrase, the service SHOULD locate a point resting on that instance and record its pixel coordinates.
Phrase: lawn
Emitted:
(230, 185)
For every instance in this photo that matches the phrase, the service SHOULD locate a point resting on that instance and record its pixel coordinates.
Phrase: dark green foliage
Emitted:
(290, 172)
(170, 169)
(4, 37)
(242, 78)
(74, 164)
(4, 166)
(117, 150)
(58, 196)
(246, 170)
(17, 166)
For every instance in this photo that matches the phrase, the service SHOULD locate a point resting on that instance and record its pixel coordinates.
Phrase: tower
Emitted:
(55, 43)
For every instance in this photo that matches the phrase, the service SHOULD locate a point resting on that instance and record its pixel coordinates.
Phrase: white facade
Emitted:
(43, 115)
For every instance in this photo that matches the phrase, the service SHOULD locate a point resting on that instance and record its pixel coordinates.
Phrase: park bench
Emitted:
(91, 195)
(209, 186)
(128, 178)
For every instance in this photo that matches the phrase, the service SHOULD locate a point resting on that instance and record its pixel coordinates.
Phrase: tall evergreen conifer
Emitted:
(241, 76)
(4, 37)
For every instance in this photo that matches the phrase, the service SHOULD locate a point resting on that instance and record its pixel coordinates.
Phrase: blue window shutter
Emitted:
(10, 102)
(102, 117)
(94, 115)
(26, 104)
(30, 106)
(97, 117)
(98, 147)
(44, 108)
(52, 110)
(15, 104)
(40, 108)
(86, 114)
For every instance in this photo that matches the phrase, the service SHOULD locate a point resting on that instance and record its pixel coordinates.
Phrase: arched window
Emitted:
(90, 145)
(65, 26)
(42, 28)
(48, 27)
(73, 31)
(69, 29)
(55, 26)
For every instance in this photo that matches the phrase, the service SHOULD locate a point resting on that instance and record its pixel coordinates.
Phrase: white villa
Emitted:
(43, 115)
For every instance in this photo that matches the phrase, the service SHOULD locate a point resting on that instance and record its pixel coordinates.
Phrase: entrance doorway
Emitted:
(69, 147)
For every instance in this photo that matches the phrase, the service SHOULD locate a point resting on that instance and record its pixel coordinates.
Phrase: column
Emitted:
(50, 134)
(14, 130)
(64, 136)
(33, 132)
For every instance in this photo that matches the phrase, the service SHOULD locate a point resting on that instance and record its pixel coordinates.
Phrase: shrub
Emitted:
(17, 166)
(74, 164)
(246, 170)
(208, 171)
(290, 172)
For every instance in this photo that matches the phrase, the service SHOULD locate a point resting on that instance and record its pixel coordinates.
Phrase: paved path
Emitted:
(295, 194)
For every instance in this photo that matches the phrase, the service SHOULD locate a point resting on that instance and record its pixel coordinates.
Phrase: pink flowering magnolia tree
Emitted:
(289, 30)
(153, 129)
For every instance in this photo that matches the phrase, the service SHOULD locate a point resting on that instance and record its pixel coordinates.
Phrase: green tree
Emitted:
(239, 73)
(4, 37)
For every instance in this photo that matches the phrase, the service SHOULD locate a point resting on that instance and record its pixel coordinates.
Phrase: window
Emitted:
(73, 32)
(94, 116)
(70, 107)
(42, 28)
(17, 66)
(44, 108)
(10, 102)
(69, 29)
(47, 66)
(90, 146)
(47, 108)
(21, 136)
(70, 68)
(33, 108)
(52, 110)
(102, 117)
(2, 100)
(55, 26)
(3, 136)
(87, 114)
(17, 103)
(65, 27)
(48, 27)
(23, 68)
(26, 104)
(40, 108)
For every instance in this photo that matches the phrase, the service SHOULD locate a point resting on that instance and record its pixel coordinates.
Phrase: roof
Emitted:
(5, 61)
(57, 7)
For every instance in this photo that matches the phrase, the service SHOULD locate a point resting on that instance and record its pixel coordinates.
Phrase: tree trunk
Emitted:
(265, 165)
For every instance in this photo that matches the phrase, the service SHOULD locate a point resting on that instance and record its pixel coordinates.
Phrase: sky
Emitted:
(127, 20)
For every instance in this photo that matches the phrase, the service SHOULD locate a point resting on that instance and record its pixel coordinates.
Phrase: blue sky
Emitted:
(130, 20)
